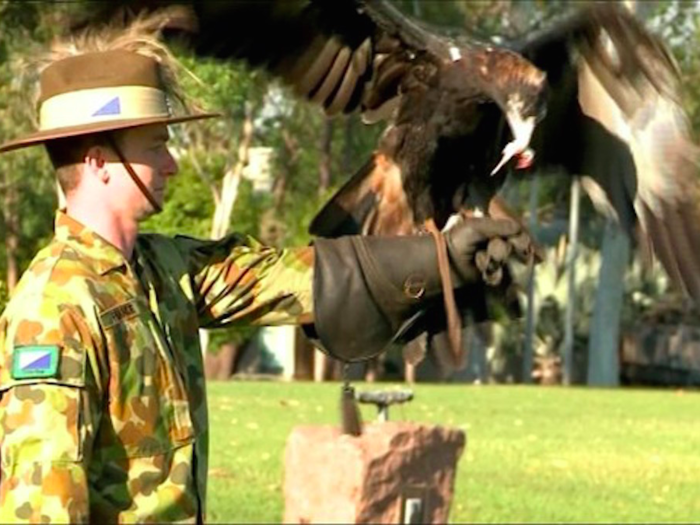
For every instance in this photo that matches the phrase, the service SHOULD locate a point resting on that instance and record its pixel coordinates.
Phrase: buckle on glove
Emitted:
(414, 286)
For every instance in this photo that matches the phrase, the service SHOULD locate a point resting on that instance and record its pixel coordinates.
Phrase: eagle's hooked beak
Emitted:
(522, 129)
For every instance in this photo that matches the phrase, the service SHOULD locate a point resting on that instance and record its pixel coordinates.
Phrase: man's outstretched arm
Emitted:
(355, 294)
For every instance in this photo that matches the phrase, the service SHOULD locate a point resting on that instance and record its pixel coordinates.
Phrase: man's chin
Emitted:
(149, 211)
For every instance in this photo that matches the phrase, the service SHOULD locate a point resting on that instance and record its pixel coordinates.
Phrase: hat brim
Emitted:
(41, 137)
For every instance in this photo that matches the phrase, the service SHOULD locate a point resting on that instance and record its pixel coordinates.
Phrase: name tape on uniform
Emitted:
(119, 313)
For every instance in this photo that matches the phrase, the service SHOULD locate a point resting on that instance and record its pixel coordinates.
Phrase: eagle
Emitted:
(593, 94)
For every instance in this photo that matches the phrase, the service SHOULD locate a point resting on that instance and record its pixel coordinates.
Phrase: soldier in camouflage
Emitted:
(103, 413)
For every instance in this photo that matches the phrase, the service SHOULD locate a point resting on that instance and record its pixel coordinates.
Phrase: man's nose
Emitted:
(171, 166)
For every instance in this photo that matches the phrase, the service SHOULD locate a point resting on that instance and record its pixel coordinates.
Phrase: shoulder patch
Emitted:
(35, 361)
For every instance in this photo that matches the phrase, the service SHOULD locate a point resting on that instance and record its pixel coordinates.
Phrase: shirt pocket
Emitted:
(148, 410)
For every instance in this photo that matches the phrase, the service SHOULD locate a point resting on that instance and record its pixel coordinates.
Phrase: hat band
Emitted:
(90, 106)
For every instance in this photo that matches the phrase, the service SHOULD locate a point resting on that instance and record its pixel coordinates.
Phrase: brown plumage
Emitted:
(364, 55)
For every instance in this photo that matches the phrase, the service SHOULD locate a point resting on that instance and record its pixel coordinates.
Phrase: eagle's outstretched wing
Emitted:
(343, 55)
(366, 56)
(614, 117)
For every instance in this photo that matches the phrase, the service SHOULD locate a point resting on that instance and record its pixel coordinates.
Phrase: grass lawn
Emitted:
(533, 454)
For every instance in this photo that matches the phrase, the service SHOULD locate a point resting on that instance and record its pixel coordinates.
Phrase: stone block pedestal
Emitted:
(395, 472)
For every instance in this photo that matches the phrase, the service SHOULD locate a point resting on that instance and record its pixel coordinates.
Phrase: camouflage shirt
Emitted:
(103, 414)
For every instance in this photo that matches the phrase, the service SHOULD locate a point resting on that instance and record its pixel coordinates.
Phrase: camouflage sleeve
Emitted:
(49, 407)
(237, 279)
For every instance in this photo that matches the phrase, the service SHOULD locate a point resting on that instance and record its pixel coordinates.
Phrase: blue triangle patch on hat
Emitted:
(113, 107)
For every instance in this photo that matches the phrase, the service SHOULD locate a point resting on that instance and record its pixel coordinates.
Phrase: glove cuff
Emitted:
(371, 292)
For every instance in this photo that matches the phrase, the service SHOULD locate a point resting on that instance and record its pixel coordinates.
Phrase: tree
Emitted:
(27, 189)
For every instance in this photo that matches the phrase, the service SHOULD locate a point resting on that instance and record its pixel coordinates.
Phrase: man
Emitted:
(103, 412)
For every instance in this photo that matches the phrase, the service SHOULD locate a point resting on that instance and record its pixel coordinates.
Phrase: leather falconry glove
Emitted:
(370, 292)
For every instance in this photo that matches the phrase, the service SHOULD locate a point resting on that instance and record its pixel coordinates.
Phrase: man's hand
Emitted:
(480, 247)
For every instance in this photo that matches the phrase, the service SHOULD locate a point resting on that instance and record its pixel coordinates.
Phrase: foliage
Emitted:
(550, 301)
(4, 296)
(533, 454)
(26, 173)
(677, 23)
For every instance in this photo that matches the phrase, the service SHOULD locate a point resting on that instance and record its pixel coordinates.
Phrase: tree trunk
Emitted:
(231, 181)
(530, 320)
(568, 345)
(228, 195)
(417, 11)
(324, 168)
(10, 213)
(289, 162)
(346, 163)
(603, 345)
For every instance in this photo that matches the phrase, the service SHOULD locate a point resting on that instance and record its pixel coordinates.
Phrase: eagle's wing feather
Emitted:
(345, 56)
(372, 202)
(615, 93)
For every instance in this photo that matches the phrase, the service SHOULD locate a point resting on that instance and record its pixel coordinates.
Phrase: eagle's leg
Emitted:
(454, 323)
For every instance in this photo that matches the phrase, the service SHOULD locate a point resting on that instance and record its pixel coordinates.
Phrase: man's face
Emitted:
(146, 150)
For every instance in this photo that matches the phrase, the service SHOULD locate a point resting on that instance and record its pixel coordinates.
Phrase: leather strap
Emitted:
(454, 322)
(127, 165)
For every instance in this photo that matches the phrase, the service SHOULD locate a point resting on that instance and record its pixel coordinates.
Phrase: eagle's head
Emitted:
(519, 88)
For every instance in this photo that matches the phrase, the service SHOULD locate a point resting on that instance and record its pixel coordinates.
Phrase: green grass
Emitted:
(533, 454)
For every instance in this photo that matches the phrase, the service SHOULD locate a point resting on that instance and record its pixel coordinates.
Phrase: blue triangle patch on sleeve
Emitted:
(35, 361)
(113, 107)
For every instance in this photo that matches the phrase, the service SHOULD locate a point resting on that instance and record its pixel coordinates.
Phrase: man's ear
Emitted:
(95, 163)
